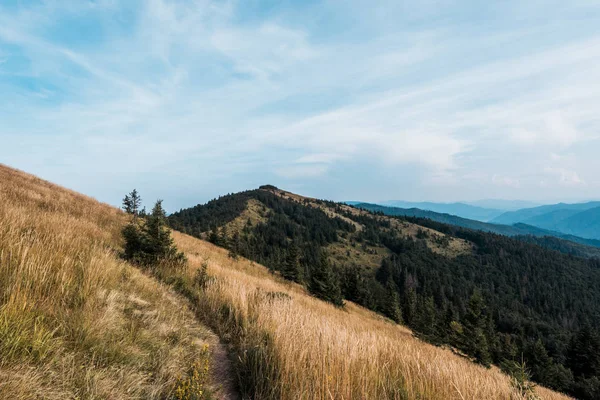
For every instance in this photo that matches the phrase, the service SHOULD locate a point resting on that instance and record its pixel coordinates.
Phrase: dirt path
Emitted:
(222, 382)
(223, 378)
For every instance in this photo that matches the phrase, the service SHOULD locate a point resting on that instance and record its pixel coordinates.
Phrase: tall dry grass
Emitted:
(292, 346)
(75, 321)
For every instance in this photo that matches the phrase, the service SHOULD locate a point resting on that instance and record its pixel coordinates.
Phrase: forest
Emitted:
(508, 302)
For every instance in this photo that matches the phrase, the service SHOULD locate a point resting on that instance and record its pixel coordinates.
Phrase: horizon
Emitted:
(185, 100)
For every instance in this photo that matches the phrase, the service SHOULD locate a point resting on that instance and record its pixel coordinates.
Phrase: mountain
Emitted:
(513, 217)
(530, 303)
(571, 244)
(458, 209)
(582, 219)
(500, 204)
(78, 321)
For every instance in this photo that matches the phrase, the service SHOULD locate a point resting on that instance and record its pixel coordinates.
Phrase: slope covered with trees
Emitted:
(503, 301)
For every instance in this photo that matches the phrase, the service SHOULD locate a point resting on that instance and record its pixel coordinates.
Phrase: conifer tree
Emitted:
(426, 319)
(391, 307)
(291, 266)
(540, 361)
(235, 246)
(223, 237)
(584, 352)
(132, 203)
(474, 339)
(160, 245)
(324, 284)
(213, 237)
(410, 306)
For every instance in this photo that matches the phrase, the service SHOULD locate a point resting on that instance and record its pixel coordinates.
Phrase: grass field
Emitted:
(75, 321)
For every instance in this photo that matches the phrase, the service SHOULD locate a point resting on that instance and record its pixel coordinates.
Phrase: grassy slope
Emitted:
(75, 321)
(292, 346)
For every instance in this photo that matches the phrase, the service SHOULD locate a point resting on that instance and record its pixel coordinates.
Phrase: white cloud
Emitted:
(197, 85)
(565, 177)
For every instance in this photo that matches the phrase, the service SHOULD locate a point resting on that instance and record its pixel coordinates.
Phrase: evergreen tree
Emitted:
(426, 319)
(324, 283)
(213, 237)
(291, 266)
(159, 244)
(584, 352)
(235, 246)
(391, 306)
(132, 203)
(149, 242)
(541, 363)
(474, 339)
(410, 306)
(134, 242)
(356, 288)
(223, 237)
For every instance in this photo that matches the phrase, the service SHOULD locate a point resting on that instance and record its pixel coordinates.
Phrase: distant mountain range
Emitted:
(581, 219)
(460, 209)
(585, 247)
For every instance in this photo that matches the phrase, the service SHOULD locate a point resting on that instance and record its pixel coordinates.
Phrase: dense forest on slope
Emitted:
(565, 243)
(502, 301)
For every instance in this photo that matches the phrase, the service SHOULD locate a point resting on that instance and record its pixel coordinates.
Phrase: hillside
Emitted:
(293, 346)
(430, 275)
(76, 322)
(565, 243)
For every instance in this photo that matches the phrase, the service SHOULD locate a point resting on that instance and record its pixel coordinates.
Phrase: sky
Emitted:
(345, 100)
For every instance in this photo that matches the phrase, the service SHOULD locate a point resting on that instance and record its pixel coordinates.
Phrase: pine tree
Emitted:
(540, 361)
(324, 283)
(426, 319)
(391, 308)
(223, 237)
(213, 237)
(474, 340)
(291, 266)
(159, 243)
(410, 306)
(132, 203)
(234, 248)
(584, 352)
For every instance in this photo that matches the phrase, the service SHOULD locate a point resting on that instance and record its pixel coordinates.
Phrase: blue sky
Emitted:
(187, 100)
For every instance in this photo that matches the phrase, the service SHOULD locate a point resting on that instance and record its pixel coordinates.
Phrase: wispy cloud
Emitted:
(337, 97)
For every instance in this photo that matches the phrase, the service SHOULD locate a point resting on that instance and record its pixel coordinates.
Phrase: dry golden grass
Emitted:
(75, 321)
(292, 346)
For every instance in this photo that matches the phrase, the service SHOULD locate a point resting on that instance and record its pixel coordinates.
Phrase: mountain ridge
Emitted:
(388, 264)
